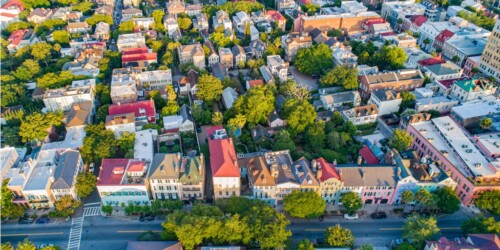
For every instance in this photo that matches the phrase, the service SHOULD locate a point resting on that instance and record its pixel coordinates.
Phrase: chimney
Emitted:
(274, 170)
(76, 107)
(360, 160)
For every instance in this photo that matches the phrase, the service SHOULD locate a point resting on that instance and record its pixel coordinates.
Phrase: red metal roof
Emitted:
(17, 36)
(136, 166)
(368, 156)
(107, 175)
(390, 33)
(418, 20)
(255, 83)
(373, 21)
(132, 51)
(449, 82)
(431, 61)
(140, 108)
(328, 170)
(444, 35)
(139, 57)
(223, 160)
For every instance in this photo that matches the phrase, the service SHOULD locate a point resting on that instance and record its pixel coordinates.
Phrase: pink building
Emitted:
(489, 144)
(443, 141)
(472, 62)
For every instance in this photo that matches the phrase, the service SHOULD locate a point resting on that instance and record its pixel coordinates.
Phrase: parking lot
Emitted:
(304, 80)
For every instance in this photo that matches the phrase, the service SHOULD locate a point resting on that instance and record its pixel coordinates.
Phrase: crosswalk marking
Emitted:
(91, 211)
(75, 234)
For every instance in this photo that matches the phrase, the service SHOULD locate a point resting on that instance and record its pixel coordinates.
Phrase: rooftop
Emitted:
(477, 109)
(368, 175)
(361, 111)
(393, 76)
(448, 138)
(491, 142)
(121, 172)
(446, 68)
(223, 159)
(143, 144)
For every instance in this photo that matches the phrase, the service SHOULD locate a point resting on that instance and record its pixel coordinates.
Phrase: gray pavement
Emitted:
(304, 80)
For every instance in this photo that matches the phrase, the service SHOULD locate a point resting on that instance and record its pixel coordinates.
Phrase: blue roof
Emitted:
(376, 150)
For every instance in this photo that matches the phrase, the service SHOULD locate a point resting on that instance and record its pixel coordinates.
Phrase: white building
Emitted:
(130, 41)
(122, 181)
(443, 71)
(69, 165)
(62, 99)
(361, 115)
(473, 89)
(278, 67)
(387, 101)
(221, 18)
(333, 101)
(120, 123)
(157, 79)
(144, 145)
(442, 104)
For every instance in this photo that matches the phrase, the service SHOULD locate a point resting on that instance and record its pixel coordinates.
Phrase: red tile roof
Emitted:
(418, 20)
(368, 156)
(17, 36)
(223, 160)
(255, 83)
(328, 170)
(108, 173)
(444, 35)
(136, 166)
(140, 108)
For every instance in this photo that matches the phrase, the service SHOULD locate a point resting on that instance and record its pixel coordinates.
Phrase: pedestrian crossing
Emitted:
(91, 211)
(75, 234)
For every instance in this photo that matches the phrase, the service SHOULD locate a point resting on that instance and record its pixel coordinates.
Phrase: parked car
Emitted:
(320, 241)
(379, 215)
(147, 217)
(351, 216)
(42, 220)
(44, 245)
(26, 220)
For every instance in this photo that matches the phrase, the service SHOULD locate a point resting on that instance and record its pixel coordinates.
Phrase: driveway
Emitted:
(304, 80)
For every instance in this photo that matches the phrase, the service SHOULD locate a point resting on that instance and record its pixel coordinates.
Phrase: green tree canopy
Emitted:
(298, 115)
(407, 101)
(485, 123)
(209, 88)
(314, 60)
(9, 209)
(85, 184)
(315, 136)
(41, 51)
(126, 27)
(85, 7)
(283, 141)
(341, 76)
(305, 244)
(420, 229)
(97, 18)
(184, 23)
(400, 140)
(304, 204)
(26, 244)
(61, 36)
(126, 144)
(489, 201)
(446, 200)
(66, 205)
(481, 225)
(98, 143)
(337, 236)
(351, 202)
(35, 127)
(256, 104)
(56, 80)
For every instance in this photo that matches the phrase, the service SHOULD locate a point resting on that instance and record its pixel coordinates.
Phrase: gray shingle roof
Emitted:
(66, 169)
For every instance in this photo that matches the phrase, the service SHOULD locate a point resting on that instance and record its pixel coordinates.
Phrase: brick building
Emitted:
(399, 81)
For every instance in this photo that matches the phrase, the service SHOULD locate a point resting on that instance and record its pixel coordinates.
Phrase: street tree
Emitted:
(481, 225)
(26, 244)
(305, 244)
(7, 246)
(489, 201)
(107, 209)
(407, 197)
(337, 236)
(35, 127)
(66, 205)
(9, 209)
(446, 200)
(304, 204)
(420, 229)
(400, 140)
(85, 184)
(351, 202)
(209, 88)
(424, 197)
(256, 104)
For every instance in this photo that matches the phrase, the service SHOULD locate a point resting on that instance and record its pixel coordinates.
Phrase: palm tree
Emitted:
(485, 123)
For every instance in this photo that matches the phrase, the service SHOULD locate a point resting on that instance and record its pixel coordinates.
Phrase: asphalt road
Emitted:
(111, 233)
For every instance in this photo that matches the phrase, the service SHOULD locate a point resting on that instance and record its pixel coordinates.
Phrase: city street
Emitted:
(113, 233)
